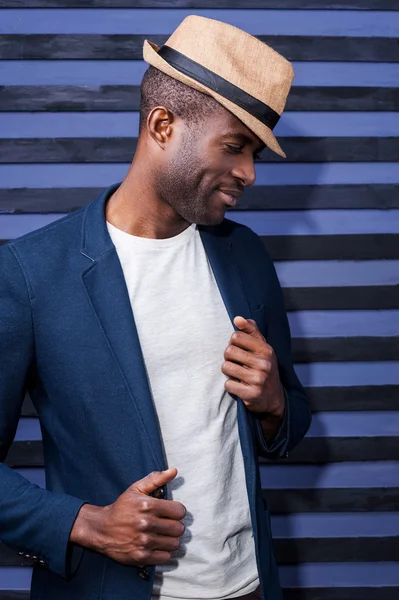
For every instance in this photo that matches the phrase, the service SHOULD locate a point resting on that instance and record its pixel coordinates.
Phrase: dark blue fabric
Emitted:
(67, 334)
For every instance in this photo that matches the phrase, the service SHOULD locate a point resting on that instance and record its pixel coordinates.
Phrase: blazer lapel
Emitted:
(228, 278)
(105, 285)
(220, 254)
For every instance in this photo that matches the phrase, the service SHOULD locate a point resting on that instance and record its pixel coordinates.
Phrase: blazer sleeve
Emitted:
(297, 417)
(33, 521)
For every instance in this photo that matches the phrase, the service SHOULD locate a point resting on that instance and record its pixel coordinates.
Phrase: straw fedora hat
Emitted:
(242, 73)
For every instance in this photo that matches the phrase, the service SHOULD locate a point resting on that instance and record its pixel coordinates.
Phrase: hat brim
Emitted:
(151, 56)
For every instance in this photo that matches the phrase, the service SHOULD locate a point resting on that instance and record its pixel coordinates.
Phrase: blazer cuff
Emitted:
(279, 444)
(66, 561)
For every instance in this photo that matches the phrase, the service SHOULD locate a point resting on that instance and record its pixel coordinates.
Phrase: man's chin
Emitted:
(211, 219)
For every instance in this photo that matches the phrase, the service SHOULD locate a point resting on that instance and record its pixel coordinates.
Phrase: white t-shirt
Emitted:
(184, 329)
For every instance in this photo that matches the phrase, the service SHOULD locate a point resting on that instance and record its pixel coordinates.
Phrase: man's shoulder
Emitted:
(62, 230)
(248, 248)
(240, 234)
(50, 247)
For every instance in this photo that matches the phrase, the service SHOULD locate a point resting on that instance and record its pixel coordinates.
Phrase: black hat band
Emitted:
(182, 63)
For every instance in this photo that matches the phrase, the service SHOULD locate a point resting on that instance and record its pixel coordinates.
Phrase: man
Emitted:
(151, 334)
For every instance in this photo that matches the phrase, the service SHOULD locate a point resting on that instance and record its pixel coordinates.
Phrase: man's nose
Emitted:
(244, 170)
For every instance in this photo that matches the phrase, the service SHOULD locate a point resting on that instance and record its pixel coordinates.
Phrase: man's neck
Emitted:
(135, 208)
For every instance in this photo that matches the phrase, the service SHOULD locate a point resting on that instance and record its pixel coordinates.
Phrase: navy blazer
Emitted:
(68, 336)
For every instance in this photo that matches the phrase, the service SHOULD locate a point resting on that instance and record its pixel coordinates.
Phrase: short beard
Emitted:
(181, 184)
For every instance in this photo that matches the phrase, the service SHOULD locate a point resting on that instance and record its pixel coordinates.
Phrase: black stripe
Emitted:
(122, 149)
(342, 349)
(28, 410)
(362, 297)
(353, 398)
(66, 98)
(342, 99)
(274, 4)
(292, 551)
(273, 197)
(378, 246)
(344, 549)
(310, 451)
(12, 595)
(373, 246)
(228, 90)
(373, 297)
(305, 197)
(382, 499)
(338, 593)
(130, 47)
(321, 399)
(25, 454)
(335, 593)
(325, 450)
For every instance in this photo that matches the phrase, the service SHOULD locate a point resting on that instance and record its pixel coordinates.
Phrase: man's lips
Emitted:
(229, 196)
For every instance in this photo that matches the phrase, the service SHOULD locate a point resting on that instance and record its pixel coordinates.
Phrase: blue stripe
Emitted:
(126, 124)
(331, 575)
(146, 21)
(347, 374)
(316, 222)
(100, 72)
(326, 424)
(310, 222)
(304, 575)
(348, 323)
(334, 475)
(362, 424)
(15, 578)
(334, 525)
(291, 273)
(28, 430)
(94, 175)
(335, 272)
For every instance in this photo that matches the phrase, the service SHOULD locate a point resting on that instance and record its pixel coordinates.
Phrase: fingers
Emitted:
(164, 543)
(154, 480)
(169, 509)
(247, 342)
(157, 557)
(167, 527)
(252, 359)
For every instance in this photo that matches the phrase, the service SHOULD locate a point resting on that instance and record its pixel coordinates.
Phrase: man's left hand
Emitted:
(251, 365)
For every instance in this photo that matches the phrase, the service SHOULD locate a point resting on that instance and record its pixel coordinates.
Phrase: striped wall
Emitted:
(329, 215)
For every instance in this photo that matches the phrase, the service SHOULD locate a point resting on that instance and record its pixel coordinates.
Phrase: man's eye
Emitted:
(234, 149)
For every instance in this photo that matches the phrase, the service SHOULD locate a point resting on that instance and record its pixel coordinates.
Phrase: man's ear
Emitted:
(160, 124)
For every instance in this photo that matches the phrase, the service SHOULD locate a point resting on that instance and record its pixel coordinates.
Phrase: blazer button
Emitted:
(159, 493)
(144, 574)
(286, 454)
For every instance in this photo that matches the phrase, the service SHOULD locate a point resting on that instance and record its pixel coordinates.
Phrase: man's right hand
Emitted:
(136, 529)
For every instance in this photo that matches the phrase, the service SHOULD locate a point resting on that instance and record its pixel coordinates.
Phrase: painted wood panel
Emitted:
(69, 83)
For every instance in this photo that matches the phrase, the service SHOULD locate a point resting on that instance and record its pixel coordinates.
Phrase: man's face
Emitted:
(202, 161)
